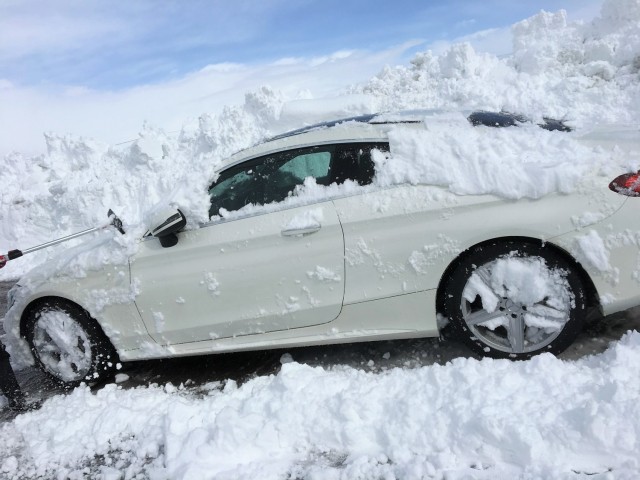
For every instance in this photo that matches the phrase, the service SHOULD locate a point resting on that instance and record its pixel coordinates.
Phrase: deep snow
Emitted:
(490, 419)
(544, 418)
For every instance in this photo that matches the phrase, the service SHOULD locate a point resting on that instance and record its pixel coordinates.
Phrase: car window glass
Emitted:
(235, 189)
(354, 162)
(274, 177)
(289, 173)
(366, 167)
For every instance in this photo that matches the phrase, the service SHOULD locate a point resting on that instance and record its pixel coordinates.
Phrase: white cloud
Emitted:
(114, 117)
(99, 42)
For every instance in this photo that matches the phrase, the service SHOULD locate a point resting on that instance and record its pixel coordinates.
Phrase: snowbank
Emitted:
(513, 163)
(581, 72)
(544, 418)
(489, 419)
(584, 73)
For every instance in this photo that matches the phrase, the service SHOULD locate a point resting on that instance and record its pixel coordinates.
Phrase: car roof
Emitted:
(374, 128)
(362, 128)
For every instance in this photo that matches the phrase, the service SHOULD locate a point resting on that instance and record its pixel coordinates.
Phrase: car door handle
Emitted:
(299, 232)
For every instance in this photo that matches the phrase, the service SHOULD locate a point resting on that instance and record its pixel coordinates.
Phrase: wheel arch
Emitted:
(35, 303)
(594, 307)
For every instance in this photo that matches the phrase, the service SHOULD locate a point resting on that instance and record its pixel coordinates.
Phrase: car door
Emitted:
(393, 236)
(268, 265)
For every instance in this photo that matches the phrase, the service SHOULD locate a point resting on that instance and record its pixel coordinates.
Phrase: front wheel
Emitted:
(67, 343)
(515, 300)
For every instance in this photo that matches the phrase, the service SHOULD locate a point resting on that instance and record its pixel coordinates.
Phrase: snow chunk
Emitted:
(592, 251)
(587, 218)
(158, 320)
(307, 219)
(286, 358)
(212, 284)
(420, 261)
(324, 275)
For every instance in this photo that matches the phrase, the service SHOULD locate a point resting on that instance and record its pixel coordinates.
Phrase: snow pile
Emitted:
(582, 72)
(585, 73)
(489, 419)
(508, 162)
(78, 180)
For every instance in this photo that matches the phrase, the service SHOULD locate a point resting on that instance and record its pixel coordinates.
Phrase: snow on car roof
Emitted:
(479, 117)
(406, 116)
(362, 128)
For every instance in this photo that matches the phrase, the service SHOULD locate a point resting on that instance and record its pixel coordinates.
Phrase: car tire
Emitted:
(514, 299)
(47, 329)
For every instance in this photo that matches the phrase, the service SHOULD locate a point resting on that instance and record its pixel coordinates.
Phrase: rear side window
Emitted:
(308, 165)
(354, 162)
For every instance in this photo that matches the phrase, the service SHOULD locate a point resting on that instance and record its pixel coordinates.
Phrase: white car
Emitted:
(354, 260)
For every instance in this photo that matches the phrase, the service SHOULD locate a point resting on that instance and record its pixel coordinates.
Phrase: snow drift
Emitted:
(583, 73)
(489, 419)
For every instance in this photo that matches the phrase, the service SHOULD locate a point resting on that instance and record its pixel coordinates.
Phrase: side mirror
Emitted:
(169, 222)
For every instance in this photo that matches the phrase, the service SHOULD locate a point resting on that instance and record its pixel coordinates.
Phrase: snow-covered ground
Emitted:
(544, 418)
(466, 419)
(112, 431)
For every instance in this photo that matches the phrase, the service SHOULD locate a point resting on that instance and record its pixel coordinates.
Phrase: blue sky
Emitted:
(103, 68)
(110, 45)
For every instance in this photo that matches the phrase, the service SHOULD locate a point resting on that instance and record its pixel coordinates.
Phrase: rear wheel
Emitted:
(514, 300)
(67, 343)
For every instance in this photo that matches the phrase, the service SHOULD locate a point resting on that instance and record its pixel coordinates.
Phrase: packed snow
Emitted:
(543, 418)
(489, 419)
(511, 163)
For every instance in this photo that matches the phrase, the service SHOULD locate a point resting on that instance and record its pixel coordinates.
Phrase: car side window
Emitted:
(269, 179)
(288, 173)
(354, 162)
(235, 188)
(272, 178)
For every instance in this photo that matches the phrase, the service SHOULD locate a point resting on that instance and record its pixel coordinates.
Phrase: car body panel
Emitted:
(242, 277)
(361, 322)
(405, 237)
(615, 273)
(106, 294)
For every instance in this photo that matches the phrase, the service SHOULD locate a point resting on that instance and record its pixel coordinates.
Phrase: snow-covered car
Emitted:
(512, 238)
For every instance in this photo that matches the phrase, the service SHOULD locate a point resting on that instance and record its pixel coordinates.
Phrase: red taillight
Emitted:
(627, 184)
